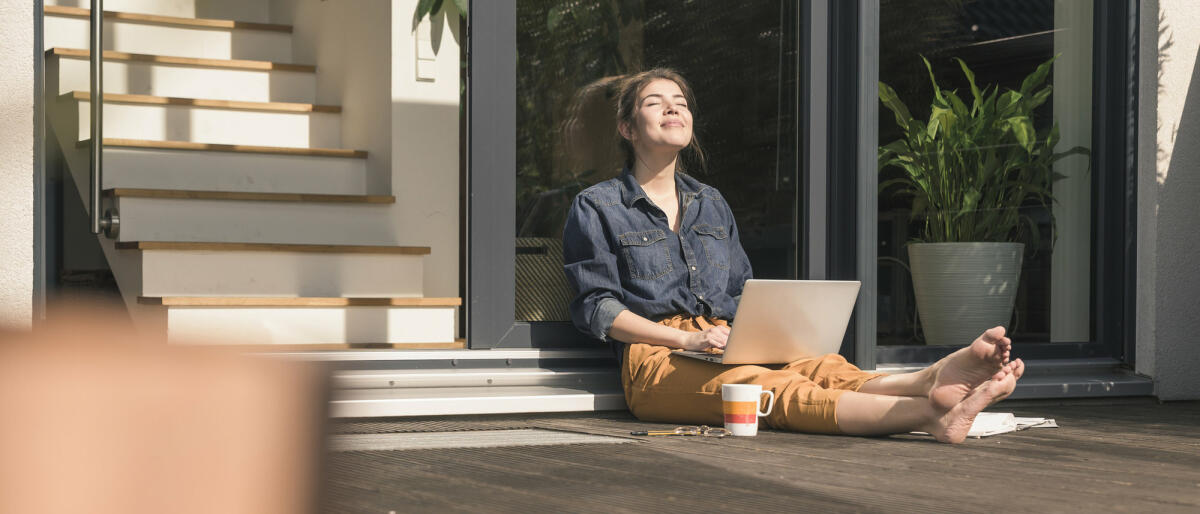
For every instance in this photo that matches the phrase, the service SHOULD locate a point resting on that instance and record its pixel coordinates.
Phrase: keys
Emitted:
(702, 430)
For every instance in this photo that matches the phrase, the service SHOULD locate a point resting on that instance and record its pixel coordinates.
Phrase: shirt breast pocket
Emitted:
(716, 244)
(646, 254)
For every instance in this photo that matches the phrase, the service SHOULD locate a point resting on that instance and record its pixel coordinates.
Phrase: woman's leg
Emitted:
(949, 380)
(917, 383)
(873, 414)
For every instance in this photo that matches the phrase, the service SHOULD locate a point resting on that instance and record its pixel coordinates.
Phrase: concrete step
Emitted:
(1083, 385)
(441, 401)
(177, 119)
(253, 11)
(600, 357)
(169, 35)
(141, 74)
(487, 377)
(383, 383)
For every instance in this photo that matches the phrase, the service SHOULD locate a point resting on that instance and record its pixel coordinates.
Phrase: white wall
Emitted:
(1168, 306)
(366, 52)
(16, 163)
(425, 140)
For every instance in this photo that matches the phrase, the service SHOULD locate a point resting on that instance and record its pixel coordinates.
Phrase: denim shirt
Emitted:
(619, 253)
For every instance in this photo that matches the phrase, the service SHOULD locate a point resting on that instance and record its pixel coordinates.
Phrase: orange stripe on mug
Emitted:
(740, 408)
(741, 418)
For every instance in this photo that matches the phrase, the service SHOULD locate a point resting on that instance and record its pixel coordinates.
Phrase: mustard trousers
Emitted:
(663, 387)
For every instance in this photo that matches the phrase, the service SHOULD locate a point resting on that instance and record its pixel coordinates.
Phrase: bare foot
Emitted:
(1015, 368)
(953, 426)
(961, 372)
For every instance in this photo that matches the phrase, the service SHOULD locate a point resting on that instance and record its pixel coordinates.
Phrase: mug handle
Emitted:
(770, 402)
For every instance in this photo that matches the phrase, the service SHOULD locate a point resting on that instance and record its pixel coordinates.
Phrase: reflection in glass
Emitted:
(1002, 41)
(741, 59)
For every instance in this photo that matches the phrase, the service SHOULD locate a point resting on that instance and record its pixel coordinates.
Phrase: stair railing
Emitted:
(110, 222)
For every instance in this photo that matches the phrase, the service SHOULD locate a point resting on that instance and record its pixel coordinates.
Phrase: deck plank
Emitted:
(1123, 456)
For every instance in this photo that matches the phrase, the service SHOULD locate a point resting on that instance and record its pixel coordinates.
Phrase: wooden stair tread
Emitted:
(185, 194)
(62, 10)
(254, 301)
(200, 102)
(241, 64)
(271, 247)
(215, 147)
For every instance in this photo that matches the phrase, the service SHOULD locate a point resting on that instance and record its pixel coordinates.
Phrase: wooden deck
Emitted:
(1132, 455)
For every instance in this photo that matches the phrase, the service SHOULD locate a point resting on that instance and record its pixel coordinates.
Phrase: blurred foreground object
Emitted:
(97, 419)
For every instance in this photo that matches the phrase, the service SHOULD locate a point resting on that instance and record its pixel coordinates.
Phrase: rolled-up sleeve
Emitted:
(591, 269)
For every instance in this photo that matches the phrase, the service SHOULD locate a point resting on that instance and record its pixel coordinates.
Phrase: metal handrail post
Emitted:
(109, 222)
(96, 59)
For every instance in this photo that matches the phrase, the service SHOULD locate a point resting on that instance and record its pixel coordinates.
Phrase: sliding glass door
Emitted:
(790, 114)
(742, 60)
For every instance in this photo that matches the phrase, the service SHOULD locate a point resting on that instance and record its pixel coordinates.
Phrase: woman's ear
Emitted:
(623, 128)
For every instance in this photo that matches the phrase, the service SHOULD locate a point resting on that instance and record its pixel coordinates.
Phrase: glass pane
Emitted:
(985, 170)
(741, 60)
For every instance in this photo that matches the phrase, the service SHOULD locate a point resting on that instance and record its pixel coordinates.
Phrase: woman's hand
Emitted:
(714, 337)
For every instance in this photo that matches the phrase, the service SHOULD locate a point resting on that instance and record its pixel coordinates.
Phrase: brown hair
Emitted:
(627, 101)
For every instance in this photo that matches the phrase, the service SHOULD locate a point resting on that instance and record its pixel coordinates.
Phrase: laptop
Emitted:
(780, 321)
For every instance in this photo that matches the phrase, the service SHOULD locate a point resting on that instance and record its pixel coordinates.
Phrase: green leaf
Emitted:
(1023, 130)
(462, 6)
(1040, 97)
(891, 100)
(1038, 76)
(1007, 101)
(553, 17)
(424, 8)
(975, 93)
(937, 91)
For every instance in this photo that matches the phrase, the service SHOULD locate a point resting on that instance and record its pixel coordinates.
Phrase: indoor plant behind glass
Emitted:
(973, 172)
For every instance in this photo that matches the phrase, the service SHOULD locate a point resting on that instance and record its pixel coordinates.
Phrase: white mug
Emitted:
(740, 404)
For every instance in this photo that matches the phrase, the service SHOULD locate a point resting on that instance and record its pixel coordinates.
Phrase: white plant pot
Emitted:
(963, 289)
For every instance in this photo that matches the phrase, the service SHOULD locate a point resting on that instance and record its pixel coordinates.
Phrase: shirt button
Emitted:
(644, 239)
(693, 268)
(700, 296)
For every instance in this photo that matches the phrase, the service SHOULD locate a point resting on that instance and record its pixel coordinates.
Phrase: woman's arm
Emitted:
(631, 328)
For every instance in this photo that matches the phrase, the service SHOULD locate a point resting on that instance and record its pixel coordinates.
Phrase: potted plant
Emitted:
(972, 171)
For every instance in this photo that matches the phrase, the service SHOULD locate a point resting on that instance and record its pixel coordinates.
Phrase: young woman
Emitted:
(656, 263)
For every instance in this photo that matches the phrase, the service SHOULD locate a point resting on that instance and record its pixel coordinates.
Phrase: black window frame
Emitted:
(1114, 191)
(838, 113)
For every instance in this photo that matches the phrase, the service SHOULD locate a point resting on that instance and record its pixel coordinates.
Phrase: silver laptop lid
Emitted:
(780, 321)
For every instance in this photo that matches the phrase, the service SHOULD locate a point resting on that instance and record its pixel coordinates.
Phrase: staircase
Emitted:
(244, 220)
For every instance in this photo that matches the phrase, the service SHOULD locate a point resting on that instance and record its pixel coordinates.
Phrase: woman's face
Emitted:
(662, 120)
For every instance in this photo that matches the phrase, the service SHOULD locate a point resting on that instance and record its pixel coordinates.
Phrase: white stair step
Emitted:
(487, 377)
(229, 217)
(299, 321)
(236, 269)
(143, 167)
(68, 27)
(254, 11)
(167, 119)
(141, 74)
(441, 401)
